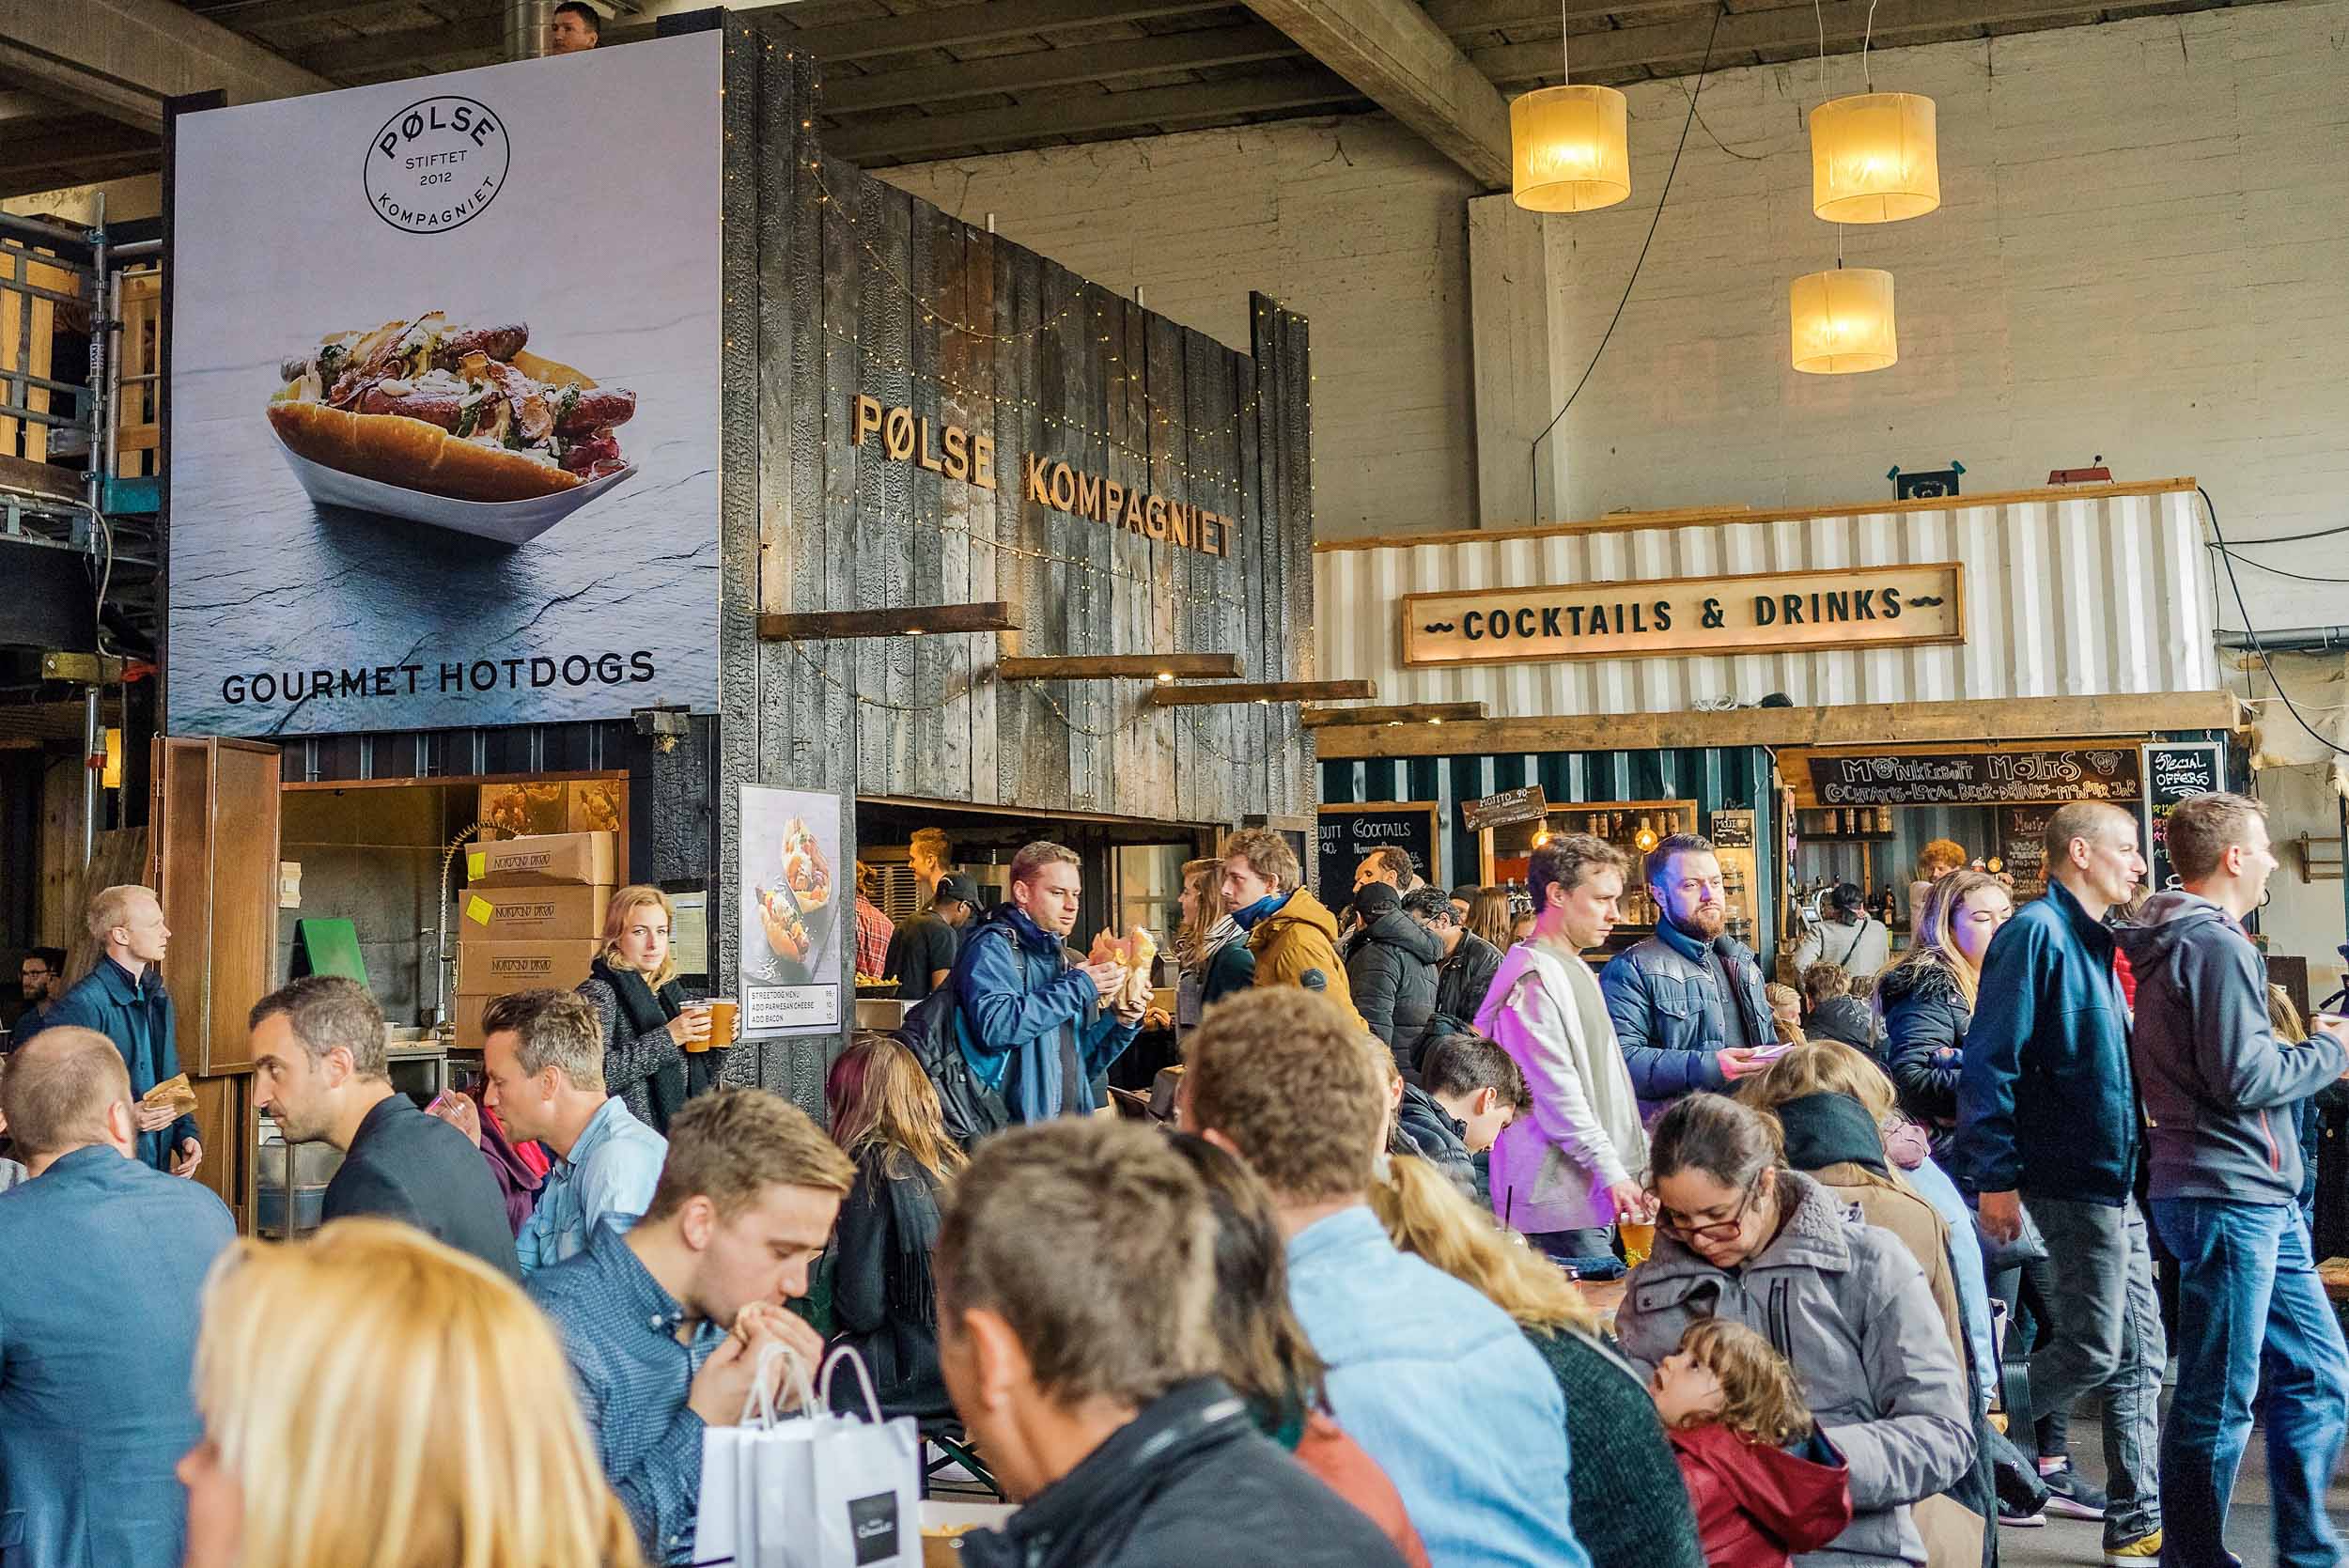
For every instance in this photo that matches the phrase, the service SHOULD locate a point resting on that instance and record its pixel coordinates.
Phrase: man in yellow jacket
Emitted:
(1293, 937)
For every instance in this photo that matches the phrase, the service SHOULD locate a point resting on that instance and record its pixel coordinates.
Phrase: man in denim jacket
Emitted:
(1688, 1002)
(1433, 1381)
(1034, 1027)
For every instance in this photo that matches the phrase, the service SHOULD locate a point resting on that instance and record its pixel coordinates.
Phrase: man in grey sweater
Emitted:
(2218, 1090)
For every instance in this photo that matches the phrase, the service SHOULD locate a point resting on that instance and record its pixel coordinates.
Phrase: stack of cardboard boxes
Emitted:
(530, 916)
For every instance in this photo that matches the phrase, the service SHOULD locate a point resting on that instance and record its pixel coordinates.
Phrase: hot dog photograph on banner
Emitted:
(444, 399)
(799, 908)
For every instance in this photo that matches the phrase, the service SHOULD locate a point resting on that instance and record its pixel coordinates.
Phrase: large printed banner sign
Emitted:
(444, 399)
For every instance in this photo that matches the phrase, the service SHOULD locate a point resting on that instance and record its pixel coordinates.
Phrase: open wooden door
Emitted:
(213, 840)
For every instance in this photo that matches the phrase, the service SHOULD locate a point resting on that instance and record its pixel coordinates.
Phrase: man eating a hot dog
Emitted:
(1041, 1030)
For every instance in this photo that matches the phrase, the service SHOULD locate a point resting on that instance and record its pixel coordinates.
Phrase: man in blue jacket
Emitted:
(2219, 1088)
(124, 1000)
(2048, 1111)
(1688, 1002)
(97, 1317)
(1034, 1027)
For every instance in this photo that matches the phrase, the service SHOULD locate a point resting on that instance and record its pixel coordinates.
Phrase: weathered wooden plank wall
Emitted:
(840, 286)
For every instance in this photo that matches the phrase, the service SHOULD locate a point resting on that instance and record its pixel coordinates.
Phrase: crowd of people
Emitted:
(1335, 1310)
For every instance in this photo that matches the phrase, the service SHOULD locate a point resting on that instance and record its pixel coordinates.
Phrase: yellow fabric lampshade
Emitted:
(1569, 150)
(1842, 321)
(1873, 158)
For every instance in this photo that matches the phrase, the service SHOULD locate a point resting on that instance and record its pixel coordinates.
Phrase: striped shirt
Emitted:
(873, 931)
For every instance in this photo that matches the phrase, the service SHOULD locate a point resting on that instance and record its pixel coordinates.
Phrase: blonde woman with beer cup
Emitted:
(659, 1046)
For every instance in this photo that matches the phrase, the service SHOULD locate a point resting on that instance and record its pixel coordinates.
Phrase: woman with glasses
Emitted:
(1740, 1236)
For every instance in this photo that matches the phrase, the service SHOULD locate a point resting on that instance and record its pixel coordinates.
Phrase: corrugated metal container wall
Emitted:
(1716, 779)
(2064, 597)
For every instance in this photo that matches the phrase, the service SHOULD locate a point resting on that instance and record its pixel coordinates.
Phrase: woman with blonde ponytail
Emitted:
(373, 1399)
(1631, 1506)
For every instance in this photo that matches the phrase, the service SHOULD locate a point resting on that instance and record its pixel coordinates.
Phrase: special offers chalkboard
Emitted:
(2174, 771)
(1349, 832)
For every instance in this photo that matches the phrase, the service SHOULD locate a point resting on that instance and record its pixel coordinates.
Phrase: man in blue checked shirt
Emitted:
(664, 1324)
(543, 1055)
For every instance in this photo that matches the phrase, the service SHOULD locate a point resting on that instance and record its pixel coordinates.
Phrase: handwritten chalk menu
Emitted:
(2023, 849)
(1349, 832)
(2174, 771)
(1984, 778)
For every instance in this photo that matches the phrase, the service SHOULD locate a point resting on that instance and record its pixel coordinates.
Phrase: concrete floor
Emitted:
(2073, 1542)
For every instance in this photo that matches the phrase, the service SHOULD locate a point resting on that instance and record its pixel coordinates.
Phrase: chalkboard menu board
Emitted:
(1349, 832)
(1978, 778)
(2023, 849)
(2174, 771)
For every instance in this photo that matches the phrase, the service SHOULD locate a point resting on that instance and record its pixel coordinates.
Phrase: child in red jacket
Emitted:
(1764, 1485)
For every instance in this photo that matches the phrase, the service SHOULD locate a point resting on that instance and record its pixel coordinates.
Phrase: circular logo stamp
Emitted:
(436, 164)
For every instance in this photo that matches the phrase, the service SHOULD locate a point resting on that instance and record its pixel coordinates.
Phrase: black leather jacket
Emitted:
(1187, 1482)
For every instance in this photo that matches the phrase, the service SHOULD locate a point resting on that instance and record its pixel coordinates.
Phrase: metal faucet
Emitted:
(442, 953)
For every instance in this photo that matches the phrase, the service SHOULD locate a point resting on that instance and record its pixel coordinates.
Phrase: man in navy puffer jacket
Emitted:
(1686, 1002)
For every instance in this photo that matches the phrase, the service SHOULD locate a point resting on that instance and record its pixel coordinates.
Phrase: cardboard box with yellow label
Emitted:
(494, 914)
(544, 860)
(500, 969)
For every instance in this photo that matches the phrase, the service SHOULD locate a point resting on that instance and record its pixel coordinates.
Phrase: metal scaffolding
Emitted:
(49, 418)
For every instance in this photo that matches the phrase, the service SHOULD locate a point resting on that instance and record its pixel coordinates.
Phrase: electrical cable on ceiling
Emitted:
(1533, 457)
(2226, 558)
(2290, 538)
(1715, 136)
(2236, 553)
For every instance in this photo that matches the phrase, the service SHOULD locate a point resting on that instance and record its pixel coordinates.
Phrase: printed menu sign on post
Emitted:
(1349, 832)
(798, 912)
(2174, 771)
(1975, 778)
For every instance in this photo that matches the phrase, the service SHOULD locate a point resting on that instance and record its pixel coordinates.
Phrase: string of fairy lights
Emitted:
(1198, 478)
(1141, 713)
(871, 359)
(1215, 593)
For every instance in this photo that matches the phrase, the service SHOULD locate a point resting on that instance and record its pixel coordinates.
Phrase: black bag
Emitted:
(971, 1110)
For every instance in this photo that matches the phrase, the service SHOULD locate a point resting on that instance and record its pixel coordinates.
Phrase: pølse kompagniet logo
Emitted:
(436, 164)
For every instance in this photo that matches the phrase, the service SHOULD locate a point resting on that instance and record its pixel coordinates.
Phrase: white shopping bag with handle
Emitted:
(725, 1513)
(864, 1484)
(817, 1491)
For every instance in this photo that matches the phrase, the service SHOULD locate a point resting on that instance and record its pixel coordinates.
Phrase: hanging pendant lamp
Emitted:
(1842, 321)
(1874, 159)
(1569, 150)
(1569, 145)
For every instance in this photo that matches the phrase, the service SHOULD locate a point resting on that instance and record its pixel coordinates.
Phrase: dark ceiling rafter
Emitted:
(942, 78)
(1054, 68)
(1132, 113)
